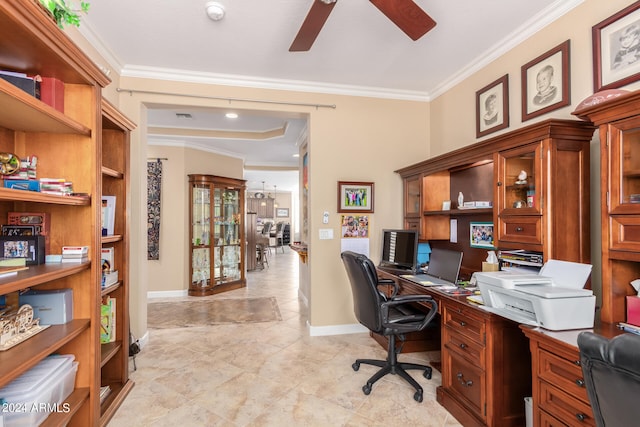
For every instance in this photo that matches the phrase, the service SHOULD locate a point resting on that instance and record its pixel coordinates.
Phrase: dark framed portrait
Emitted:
(492, 107)
(616, 49)
(545, 82)
(355, 197)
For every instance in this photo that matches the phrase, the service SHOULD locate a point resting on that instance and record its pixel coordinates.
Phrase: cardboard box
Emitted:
(490, 266)
(54, 307)
(633, 310)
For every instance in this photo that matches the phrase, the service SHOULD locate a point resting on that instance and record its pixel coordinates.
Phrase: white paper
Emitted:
(360, 246)
(566, 274)
(453, 231)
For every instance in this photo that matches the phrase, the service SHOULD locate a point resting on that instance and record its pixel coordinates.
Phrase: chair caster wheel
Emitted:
(418, 396)
(427, 374)
(355, 366)
(366, 389)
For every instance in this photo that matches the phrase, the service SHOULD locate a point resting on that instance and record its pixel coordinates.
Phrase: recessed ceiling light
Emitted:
(231, 115)
(215, 10)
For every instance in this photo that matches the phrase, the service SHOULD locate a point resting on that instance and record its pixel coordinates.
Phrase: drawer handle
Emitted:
(463, 382)
(577, 363)
(580, 382)
(581, 417)
(462, 323)
(519, 229)
(463, 346)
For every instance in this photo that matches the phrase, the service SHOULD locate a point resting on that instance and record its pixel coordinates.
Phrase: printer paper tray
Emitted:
(510, 315)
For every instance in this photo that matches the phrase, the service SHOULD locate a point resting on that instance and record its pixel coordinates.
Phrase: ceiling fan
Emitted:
(406, 14)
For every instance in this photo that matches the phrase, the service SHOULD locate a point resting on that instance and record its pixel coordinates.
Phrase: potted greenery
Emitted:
(65, 12)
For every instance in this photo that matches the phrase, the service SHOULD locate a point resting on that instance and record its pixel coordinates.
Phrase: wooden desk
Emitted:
(486, 363)
(559, 393)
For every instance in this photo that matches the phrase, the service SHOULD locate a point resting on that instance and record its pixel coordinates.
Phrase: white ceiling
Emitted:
(359, 51)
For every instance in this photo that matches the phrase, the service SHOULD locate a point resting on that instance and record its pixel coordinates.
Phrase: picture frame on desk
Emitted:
(545, 82)
(30, 247)
(355, 197)
(492, 107)
(481, 235)
(20, 230)
(616, 49)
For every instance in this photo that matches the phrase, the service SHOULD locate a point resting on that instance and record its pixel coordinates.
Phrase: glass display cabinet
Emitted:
(216, 237)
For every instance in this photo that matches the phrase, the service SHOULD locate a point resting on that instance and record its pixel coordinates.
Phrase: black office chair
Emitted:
(611, 371)
(389, 316)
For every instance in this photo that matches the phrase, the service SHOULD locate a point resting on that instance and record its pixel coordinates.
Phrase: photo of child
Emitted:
(547, 92)
(355, 226)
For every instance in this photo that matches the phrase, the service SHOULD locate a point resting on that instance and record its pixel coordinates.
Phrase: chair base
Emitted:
(392, 366)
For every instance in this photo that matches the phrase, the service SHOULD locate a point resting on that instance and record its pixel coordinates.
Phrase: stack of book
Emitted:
(11, 266)
(105, 390)
(75, 253)
(109, 273)
(57, 186)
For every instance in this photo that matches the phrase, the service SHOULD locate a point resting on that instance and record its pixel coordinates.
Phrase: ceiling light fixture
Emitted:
(215, 10)
(263, 203)
(231, 115)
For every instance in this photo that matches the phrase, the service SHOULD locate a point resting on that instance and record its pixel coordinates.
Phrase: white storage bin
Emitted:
(30, 398)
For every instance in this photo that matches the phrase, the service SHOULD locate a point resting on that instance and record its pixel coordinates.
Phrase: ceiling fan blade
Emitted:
(311, 26)
(407, 16)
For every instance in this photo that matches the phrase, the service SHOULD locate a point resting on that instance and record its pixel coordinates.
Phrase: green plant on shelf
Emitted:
(66, 12)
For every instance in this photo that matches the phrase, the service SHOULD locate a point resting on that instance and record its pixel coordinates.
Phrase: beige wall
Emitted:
(365, 139)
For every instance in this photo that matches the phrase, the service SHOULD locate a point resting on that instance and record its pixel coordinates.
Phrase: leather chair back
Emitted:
(611, 371)
(366, 296)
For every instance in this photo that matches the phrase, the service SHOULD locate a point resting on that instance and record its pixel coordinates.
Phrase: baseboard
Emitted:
(318, 331)
(167, 294)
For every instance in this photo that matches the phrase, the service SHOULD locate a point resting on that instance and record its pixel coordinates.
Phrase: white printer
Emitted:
(553, 299)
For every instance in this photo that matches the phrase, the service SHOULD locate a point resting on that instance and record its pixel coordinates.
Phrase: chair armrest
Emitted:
(389, 282)
(405, 299)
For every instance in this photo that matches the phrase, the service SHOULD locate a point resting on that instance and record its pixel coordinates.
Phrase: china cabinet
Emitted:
(217, 234)
(619, 124)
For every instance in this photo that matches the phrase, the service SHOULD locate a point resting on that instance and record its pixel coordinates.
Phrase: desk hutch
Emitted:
(486, 362)
(87, 144)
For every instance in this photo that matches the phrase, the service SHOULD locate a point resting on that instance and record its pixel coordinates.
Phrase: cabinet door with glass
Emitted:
(216, 234)
(519, 197)
(624, 158)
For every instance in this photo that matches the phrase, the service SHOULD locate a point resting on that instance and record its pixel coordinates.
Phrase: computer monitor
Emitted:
(445, 264)
(399, 249)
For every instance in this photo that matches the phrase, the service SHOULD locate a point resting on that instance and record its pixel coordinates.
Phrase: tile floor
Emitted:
(271, 373)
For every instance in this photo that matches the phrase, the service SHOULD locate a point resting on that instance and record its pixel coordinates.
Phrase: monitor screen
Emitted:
(399, 248)
(445, 264)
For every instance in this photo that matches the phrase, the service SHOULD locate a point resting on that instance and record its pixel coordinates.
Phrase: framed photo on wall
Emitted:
(616, 49)
(492, 107)
(282, 212)
(355, 197)
(545, 82)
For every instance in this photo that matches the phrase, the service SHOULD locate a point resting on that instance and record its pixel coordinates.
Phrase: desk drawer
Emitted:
(565, 374)
(625, 232)
(465, 381)
(464, 321)
(465, 347)
(520, 229)
(564, 407)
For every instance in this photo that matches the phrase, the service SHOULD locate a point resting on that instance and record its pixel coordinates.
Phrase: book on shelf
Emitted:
(13, 262)
(108, 320)
(105, 391)
(110, 278)
(108, 263)
(108, 215)
(75, 250)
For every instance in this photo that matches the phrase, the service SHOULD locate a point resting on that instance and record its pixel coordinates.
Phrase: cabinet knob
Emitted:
(499, 184)
(519, 229)
(581, 417)
(462, 323)
(463, 345)
(580, 382)
(577, 362)
(468, 383)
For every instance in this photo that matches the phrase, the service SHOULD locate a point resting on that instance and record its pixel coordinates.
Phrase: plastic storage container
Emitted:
(29, 399)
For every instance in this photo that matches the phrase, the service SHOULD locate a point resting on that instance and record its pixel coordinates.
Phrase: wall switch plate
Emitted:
(326, 233)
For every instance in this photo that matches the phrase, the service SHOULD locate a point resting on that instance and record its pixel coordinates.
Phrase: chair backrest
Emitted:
(266, 228)
(611, 371)
(366, 296)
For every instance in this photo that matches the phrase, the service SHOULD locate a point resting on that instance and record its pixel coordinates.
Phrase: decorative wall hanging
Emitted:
(492, 107)
(616, 49)
(355, 197)
(545, 82)
(154, 185)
